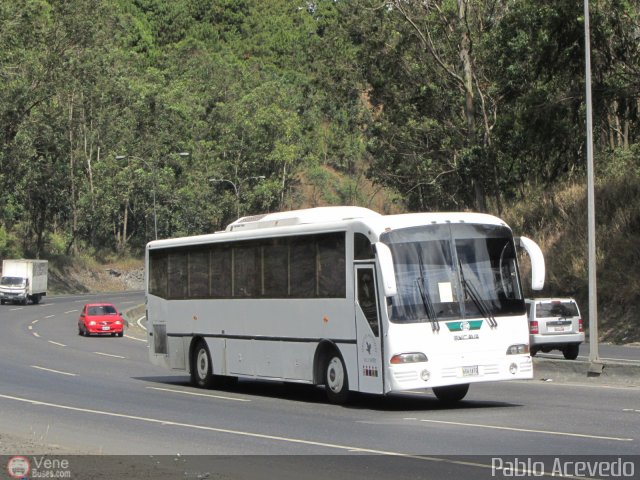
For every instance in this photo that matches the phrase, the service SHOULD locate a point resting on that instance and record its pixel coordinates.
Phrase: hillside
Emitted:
(68, 276)
(557, 220)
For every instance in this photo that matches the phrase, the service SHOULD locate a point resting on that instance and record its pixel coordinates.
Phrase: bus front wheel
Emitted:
(336, 381)
(201, 371)
(451, 393)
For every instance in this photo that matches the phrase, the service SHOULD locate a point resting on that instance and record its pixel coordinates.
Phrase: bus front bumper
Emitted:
(426, 374)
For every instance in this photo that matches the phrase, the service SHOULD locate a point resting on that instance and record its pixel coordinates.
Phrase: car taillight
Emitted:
(580, 326)
(533, 327)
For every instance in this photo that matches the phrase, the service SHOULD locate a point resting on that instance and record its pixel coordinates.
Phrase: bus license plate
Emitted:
(470, 371)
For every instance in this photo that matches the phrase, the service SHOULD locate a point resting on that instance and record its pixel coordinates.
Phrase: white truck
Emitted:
(23, 280)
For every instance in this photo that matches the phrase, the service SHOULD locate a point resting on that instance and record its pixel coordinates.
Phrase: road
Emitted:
(607, 353)
(101, 395)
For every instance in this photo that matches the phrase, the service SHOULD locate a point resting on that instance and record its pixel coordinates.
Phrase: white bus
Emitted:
(346, 298)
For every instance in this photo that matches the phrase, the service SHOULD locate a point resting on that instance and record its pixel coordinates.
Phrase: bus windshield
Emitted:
(454, 271)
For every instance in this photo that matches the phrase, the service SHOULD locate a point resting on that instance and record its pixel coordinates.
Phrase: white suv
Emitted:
(555, 324)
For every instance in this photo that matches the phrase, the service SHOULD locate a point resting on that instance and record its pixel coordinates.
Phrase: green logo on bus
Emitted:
(464, 325)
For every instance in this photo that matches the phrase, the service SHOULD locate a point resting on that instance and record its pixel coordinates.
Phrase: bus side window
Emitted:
(246, 272)
(331, 266)
(177, 272)
(302, 262)
(362, 247)
(220, 272)
(275, 270)
(158, 278)
(198, 273)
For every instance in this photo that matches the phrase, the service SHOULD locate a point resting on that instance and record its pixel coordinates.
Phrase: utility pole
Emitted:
(595, 367)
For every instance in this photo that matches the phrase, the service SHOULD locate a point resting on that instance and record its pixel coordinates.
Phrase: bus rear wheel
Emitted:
(335, 379)
(451, 393)
(201, 371)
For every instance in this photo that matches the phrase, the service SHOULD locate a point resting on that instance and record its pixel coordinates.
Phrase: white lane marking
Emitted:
(528, 430)
(15, 309)
(54, 371)
(30, 327)
(34, 322)
(136, 339)
(630, 410)
(70, 311)
(49, 316)
(126, 303)
(196, 394)
(109, 355)
(140, 324)
(575, 385)
(348, 448)
(56, 343)
(35, 334)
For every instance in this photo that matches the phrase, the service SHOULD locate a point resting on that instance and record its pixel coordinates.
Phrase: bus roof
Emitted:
(332, 217)
(300, 217)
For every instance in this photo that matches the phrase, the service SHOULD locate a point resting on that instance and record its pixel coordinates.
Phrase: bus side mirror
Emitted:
(537, 261)
(385, 261)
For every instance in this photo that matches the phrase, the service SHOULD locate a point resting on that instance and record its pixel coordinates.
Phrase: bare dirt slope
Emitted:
(65, 278)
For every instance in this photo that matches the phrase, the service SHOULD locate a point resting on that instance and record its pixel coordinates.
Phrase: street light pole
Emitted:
(236, 188)
(153, 191)
(594, 357)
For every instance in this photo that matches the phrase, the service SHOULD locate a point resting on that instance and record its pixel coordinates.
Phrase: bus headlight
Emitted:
(518, 349)
(414, 357)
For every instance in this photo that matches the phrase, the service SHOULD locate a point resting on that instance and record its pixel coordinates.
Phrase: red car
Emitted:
(100, 319)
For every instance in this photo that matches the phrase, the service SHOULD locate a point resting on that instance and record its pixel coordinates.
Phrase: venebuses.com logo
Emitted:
(18, 467)
(38, 467)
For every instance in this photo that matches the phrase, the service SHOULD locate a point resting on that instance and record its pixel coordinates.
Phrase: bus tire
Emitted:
(451, 393)
(336, 381)
(201, 369)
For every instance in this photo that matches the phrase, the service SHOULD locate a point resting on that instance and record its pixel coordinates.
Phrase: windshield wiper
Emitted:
(471, 291)
(426, 298)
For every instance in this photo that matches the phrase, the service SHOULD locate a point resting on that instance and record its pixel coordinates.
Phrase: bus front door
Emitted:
(369, 330)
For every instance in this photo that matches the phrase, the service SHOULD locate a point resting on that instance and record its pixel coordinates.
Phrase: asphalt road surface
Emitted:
(607, 353)
(100, 395)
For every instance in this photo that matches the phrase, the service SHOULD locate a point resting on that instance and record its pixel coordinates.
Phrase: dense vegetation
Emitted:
(398, 104)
